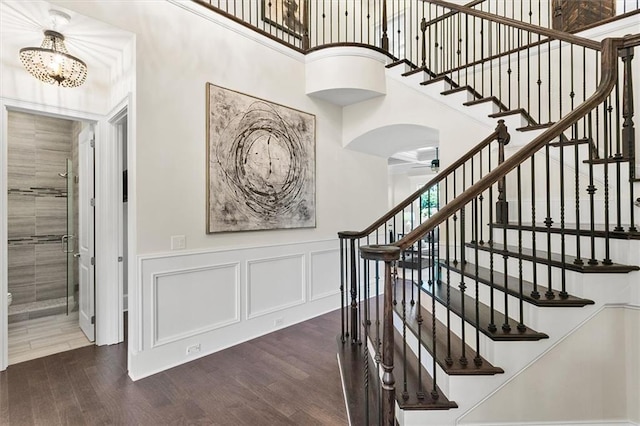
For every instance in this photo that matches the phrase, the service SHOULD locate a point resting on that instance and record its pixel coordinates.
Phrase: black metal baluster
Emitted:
(521, 326)
(606, 135)
(628, 129)
(576, 154)
(342, 299)
(591, 190)
(492, 324)
(618, 157)
(549, 294)
(448, 359)
(477, 360)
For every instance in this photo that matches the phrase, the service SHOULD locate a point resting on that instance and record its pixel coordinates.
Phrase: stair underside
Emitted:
(484, 276)
(541, 257)
(571, 229)
(448, 346)
(484, 313)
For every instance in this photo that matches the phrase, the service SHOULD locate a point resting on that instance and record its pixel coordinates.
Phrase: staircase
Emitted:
(530, 242)
(536, 232)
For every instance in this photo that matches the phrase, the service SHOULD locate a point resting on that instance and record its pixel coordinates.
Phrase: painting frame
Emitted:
(294, 23)
(261, 164)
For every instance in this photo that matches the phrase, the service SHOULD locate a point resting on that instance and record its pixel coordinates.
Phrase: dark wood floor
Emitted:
(289, 377)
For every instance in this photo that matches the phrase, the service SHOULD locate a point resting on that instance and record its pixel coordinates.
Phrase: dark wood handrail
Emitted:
(554, 34)
(449, 14)
(411, 198)
(609, 49)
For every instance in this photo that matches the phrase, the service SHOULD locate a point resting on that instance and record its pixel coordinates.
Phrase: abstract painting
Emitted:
(261, 164)
(286, 15)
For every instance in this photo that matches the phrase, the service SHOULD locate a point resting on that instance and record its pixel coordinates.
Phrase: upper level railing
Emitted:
(391, 25)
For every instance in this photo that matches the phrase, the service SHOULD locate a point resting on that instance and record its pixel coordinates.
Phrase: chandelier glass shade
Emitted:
(52, 63)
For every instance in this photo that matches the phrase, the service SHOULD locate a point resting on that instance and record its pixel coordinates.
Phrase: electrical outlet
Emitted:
(178, 242)
(193, 349)
(278, 322)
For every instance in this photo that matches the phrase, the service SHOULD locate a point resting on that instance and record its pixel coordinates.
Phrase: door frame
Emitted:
(109, 323)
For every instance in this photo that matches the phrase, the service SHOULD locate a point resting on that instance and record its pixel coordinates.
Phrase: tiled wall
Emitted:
(38, 148)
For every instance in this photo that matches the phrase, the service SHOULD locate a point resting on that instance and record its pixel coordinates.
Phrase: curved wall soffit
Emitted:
(388, 140)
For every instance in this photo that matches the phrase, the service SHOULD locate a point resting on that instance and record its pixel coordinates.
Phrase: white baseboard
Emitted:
(566, 423)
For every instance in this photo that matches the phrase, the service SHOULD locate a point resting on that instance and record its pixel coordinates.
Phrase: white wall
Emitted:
(577, 380)
(172, 67)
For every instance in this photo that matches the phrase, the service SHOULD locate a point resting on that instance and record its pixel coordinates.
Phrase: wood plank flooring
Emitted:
(44, 336)
(289, 377)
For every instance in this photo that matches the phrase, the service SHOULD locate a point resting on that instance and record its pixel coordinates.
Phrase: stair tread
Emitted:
(462, 89)
(513, 285)
(541, 257)
(493, 99)
(585, 230)
(351, 362)
(609, 160)
(535, 127)
(437, 79)
(506, 113)
(418, 70)
(455, 367)
(399, 62)
(484, 315)
(571, 142)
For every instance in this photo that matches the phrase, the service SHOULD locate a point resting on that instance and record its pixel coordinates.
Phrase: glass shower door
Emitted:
(70, 238)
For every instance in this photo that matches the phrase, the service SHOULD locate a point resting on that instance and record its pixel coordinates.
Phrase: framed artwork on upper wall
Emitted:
(286, 15)
(261, 164)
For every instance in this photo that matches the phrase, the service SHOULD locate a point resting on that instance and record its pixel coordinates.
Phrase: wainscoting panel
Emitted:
(323, 274)
(192, 304)
(274, 284)
(195, 301)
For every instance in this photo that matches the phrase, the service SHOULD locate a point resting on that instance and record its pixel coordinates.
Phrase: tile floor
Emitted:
(40, 337)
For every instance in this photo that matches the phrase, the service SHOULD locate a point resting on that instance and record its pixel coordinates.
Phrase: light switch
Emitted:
(178, 242)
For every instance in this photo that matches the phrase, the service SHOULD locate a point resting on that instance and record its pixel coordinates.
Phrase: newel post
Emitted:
(385, 38)
(388, 255)
(502, 206)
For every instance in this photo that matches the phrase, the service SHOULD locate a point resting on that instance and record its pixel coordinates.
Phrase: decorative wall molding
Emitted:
(159, 340)
(238, 295)
(316, 281)
(281, 270)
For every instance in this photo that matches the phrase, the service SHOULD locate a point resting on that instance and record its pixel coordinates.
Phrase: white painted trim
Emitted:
(566, 423)
(155, 341)
(235, 27)
(344, 390)
(173, 254)
(350, 51)
(301, 301)
(7, 104)
(109, 325)
(313, 298)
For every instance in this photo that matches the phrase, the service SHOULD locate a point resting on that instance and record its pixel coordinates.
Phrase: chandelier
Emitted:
(52, 63)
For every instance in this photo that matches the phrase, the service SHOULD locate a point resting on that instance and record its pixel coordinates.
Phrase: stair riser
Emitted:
(426, 359)
(455, 325)
(513, 269)
(620, 251)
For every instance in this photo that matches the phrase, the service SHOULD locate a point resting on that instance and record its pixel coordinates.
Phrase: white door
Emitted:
(86, 233)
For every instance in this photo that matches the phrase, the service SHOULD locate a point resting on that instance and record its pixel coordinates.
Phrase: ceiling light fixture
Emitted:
(51, 62)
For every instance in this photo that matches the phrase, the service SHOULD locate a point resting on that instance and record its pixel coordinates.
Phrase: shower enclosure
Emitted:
(42, 215)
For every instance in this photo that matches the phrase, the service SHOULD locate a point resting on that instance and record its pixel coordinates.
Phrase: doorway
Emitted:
(47, 178)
